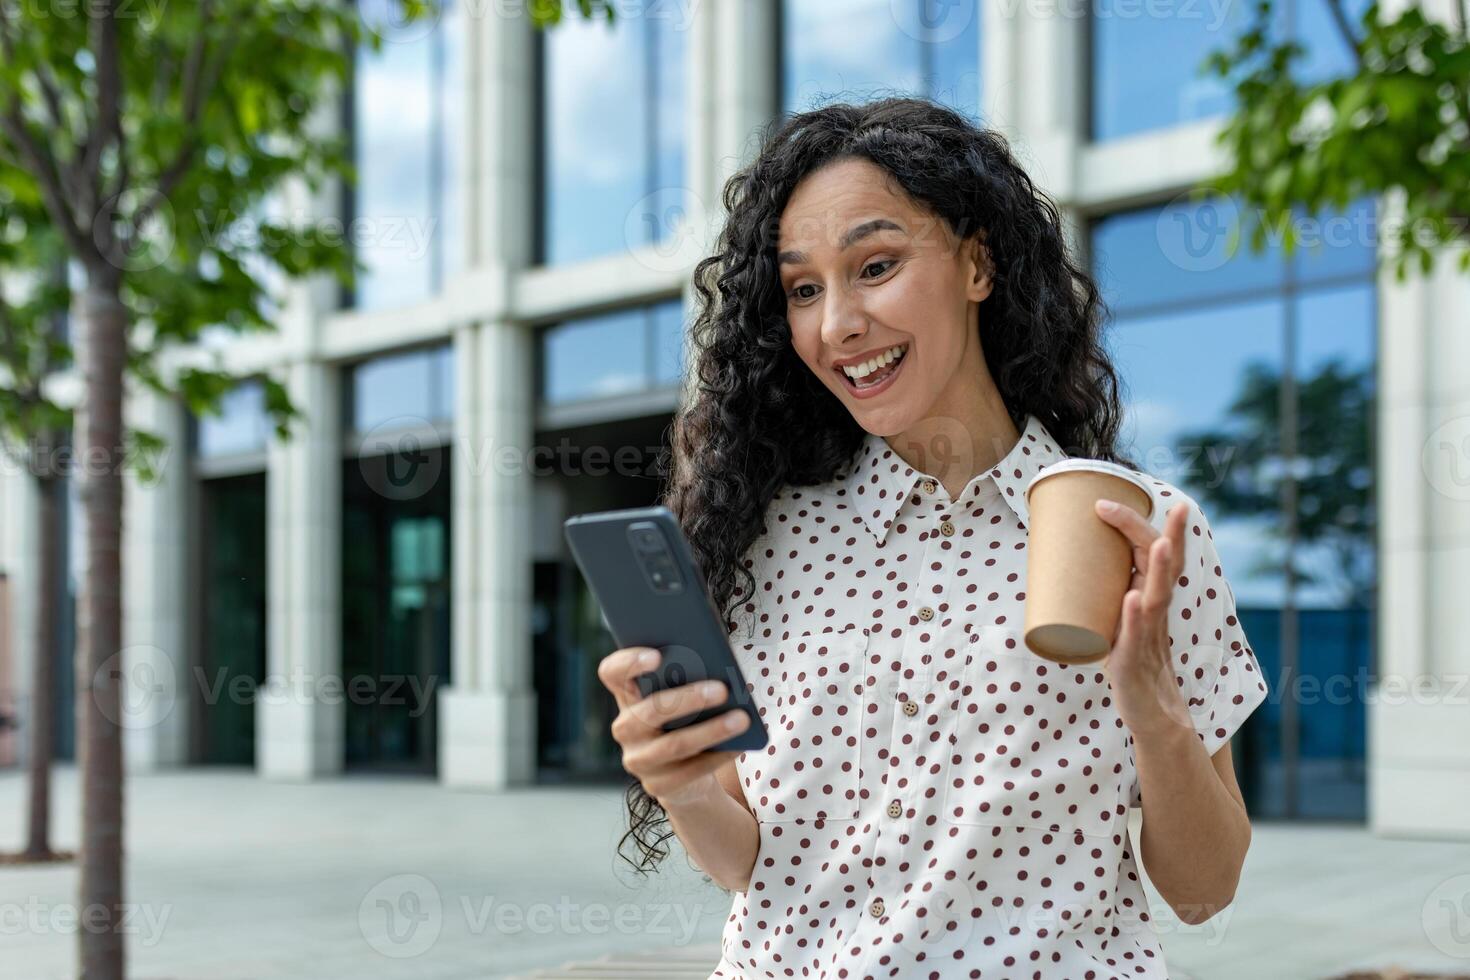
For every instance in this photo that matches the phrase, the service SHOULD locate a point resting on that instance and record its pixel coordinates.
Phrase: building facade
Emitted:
(389, 588)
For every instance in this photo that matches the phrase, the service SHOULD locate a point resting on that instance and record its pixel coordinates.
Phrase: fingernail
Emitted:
(734, 719)
(1107, 506)
(646, 658)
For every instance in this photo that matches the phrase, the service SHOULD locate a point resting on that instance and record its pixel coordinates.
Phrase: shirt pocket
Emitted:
(809, 691)
(1035, 744)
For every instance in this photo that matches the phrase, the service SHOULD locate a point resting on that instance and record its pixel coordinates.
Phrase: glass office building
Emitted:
(392, 582)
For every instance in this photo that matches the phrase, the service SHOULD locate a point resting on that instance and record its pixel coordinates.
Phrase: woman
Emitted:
(892, 341)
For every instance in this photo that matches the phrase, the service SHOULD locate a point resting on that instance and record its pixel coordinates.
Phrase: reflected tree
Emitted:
(1331, 469)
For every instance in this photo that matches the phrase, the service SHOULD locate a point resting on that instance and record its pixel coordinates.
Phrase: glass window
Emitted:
(1216, 357)
(242, 425)
(860, 49)
(407, 106)
(1178, 253)
(612, 353)
(613, 132)
(1146, 58)
(407, 389)
(668, 336)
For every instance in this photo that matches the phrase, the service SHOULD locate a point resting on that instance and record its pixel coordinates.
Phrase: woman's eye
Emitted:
(882, 262)
(796, 293)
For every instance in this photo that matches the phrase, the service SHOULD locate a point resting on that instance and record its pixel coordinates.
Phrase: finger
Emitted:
(1139, 532)
(1174, 528)
(1127, 636)
(676, 702)
(684, 743)
(1158, 587)
(618, 669)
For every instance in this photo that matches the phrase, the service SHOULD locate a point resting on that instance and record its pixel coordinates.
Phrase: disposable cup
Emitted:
(1078, 566)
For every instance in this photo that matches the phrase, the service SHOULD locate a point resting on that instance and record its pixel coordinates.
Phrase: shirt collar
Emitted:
(879, 480)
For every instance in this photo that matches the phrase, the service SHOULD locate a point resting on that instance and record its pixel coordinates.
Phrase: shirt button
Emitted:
(946, 528)
(929, 486)
(925, 613)
(911, 708)
(895, 809)
(876, 908)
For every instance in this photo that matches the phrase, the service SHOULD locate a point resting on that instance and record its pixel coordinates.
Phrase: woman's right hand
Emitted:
(674, 767)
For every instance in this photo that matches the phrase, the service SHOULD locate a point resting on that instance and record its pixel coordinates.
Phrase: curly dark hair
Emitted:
(756, 419)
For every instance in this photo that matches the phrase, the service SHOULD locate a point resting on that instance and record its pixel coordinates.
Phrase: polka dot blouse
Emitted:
(936, 800)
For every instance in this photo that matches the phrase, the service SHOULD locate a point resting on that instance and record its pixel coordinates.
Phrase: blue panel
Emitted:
(854, 50)
(1146, 60)
(242, 425)
(408, 118)
(668, 334)
(405, 389)
(595, 357)
(1178, 253)
(1183, 372)
(614, 133)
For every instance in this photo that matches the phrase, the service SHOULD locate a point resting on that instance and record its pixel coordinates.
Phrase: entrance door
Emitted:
(232, 655)
(396, 608)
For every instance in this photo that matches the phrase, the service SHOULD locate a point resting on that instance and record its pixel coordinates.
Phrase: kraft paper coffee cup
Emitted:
(1078, 566)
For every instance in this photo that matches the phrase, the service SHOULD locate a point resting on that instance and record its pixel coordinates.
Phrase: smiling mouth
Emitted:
(875, 371)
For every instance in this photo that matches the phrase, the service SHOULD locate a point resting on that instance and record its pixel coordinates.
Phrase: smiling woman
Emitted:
(893, 341)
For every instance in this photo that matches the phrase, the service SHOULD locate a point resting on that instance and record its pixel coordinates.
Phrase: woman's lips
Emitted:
(881, 386)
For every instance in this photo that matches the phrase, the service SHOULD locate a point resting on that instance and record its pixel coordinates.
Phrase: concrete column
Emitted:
(1042, 112)
(731, 66)
(487, 712)
(1418, 724)
(19, 520)
(156, 592)
(487, 717)
(299, 711)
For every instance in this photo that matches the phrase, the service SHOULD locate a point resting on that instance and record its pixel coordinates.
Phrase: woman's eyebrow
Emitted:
(854, 235)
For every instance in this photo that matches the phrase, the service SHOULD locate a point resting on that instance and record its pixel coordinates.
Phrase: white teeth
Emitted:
(859, 371)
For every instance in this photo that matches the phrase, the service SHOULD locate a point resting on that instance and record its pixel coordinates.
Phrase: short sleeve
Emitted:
(1218, 674)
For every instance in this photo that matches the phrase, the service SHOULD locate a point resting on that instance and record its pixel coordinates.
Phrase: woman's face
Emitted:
(868, 275)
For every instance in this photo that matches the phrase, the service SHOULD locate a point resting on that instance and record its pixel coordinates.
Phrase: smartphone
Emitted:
(641, 571)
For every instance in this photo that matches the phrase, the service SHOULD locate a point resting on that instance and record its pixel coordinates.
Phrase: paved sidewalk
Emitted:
(235, 877)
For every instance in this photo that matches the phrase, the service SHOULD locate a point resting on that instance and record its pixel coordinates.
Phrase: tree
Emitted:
(34, 428)
(1399, 121)
(150, 141)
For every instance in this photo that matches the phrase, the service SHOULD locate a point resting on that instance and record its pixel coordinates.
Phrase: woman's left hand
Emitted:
(1140, 665)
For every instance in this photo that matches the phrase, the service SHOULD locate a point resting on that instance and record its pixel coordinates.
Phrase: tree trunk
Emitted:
(48, 573)
(99, 663)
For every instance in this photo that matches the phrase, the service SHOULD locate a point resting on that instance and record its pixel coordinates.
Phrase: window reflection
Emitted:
(406, 389)
(860, 49)
(1249, 382)
(613, 138)
(613, 353)
(1146, 58)
(408, 119)
(242, 425)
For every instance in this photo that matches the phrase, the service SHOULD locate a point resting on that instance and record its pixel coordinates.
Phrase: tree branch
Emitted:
(1345, 28)
(201, 73)
(43, 168)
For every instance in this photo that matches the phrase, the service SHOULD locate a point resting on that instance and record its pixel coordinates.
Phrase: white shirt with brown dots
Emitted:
(936, 800)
